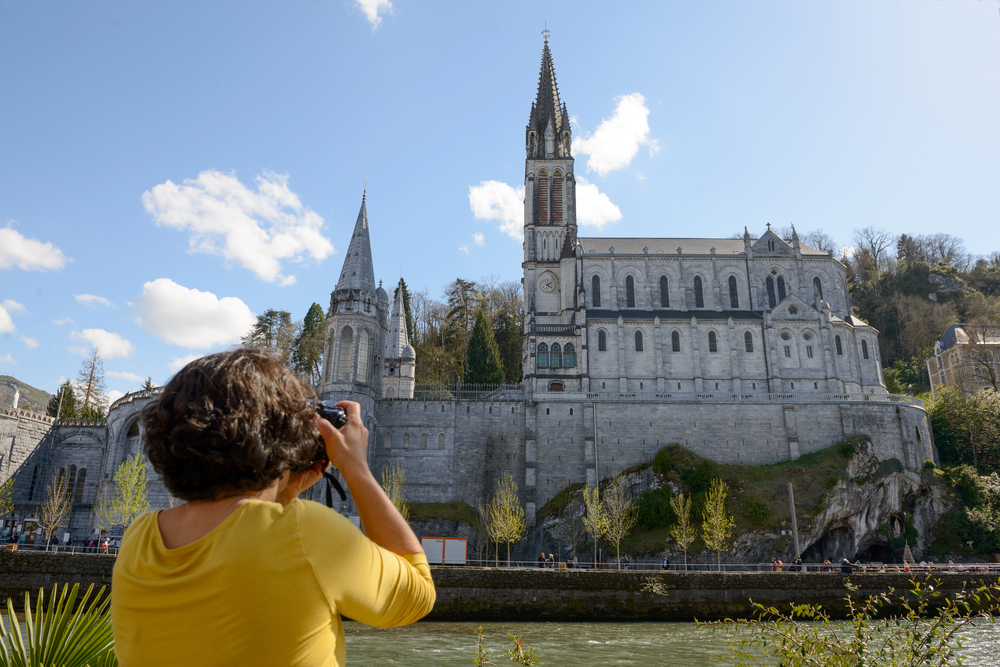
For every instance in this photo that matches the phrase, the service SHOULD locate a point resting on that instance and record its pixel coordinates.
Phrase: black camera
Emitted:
(332, 413)
(338, 418)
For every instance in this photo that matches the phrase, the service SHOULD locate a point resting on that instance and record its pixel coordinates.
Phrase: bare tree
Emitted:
(820, 240)
(981, 355)
(57, 507)
(92, 387)
(872, 251)
(569, 529)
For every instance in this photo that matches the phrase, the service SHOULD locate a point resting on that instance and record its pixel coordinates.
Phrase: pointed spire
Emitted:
(397, 343)
(547, 107)
(358, 272)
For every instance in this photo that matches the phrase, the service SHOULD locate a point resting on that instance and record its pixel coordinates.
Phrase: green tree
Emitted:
(464, 300)
(69, 409)
(148, 385)
(683, 531)
(273, 330)
(594, 519)
(93, 402)
(394, 485)
(509, 337)
(130, 498)
(717, 523)
(620, 513)
(483, 366)
(7, 497)
(307, 358)
(507, 514)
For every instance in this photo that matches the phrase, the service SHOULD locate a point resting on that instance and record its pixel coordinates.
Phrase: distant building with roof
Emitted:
(966, 358)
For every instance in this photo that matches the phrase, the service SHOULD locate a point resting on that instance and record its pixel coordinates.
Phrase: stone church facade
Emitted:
(744, 351)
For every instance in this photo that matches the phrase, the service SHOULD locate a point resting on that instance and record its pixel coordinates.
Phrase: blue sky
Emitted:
(169, 170)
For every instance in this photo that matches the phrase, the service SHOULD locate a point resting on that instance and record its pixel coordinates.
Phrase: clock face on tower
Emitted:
(548, 284)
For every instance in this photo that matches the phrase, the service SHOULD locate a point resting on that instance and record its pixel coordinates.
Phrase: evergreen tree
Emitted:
(464, 300)
(69, 409)
(93, 402)
(508, 336)
(483, 363)
(275, 331)
(148, 384)
(307, 357)
(411, 333)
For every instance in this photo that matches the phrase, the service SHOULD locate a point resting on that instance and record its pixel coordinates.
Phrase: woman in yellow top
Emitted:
(244, 573)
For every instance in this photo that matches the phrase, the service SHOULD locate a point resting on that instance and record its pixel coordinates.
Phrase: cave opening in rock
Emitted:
(877, 553)
(835, 544)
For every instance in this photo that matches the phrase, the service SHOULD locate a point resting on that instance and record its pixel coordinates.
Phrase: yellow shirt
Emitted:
(266, 587)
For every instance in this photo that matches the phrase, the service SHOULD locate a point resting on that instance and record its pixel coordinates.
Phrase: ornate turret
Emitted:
(548, 134)
(400, 359)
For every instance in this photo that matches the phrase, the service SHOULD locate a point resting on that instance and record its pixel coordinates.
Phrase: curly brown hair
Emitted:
(228, 423)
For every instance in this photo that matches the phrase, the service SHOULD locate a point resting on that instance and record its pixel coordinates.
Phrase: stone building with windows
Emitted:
(966, 358)
(743, 351)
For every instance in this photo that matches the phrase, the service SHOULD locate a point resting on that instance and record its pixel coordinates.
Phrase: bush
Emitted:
(846, 449)
(663, 462)
(968, 484)
(700, 478)
(655, 510)
(758, 511)
(929, 465)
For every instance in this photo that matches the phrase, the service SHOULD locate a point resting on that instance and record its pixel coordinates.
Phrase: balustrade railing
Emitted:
(135, 395)
(432, 391)
(720, 397)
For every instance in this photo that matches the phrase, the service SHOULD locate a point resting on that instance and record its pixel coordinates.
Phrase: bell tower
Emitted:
(550, 232)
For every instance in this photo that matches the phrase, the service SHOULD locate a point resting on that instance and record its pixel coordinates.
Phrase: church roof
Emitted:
(397, 344)
(669, 246)
(358, 272)
(547, 106)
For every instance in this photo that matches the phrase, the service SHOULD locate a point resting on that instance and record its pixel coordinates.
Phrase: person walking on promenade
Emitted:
(107, 543)
(666, 563)
(245, 572)
(542, 560)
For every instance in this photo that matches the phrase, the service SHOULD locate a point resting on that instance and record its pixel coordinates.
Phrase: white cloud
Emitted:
(63, 321)
(374, 10)
(30, 342)
(257, 230)
(28, 254)
(593, 207)
(125, 375)
(14, 307)
(109, 344)
(617, 139)
(114, 395)
(180, 362)
(191, 318)
(90, 300)
(7, 359)
(478, 239)
(494, 200)
(6, 323)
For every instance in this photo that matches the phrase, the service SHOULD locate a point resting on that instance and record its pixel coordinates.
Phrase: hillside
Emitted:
(31, 397)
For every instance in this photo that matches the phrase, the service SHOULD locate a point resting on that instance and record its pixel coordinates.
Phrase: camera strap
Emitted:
(332, 481)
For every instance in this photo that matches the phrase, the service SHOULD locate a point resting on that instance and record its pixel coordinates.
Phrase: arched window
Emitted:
(361, 375)
(602, 341)
(329, 355)
(840, 347)
(713, 342)
(638, 341)
(543, 198)
(699, 293)
(595, 291)
(864, 349)
(344, 360)
(818, 288)
(71, 483)
(664, 292)
(770, 292)
(406, 440)
(81, 479)
(388, 440)
(543, 355)
(34, 480)
(748, 341)
(734, 293)
(675, 341)
(557, 198)
(781, 289)
(423, 441)
(555, 357)
(62, 478)
(629, 292)
(569, 356)
(440, 440)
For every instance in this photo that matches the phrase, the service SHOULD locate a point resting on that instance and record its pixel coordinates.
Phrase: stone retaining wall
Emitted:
(472, 595)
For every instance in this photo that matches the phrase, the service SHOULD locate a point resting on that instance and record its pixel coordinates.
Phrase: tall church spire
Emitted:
(358, 272)
(549, 118)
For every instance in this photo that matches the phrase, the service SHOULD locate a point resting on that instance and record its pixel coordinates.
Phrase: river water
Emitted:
(577, 644)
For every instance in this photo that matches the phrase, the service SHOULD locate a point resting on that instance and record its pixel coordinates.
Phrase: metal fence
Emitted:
(458, 391)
